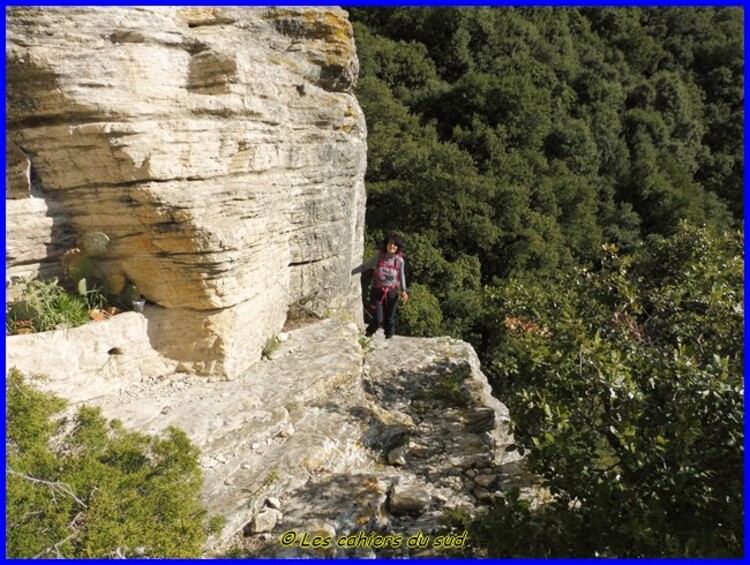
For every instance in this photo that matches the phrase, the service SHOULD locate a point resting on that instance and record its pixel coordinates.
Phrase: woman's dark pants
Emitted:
(383, 311)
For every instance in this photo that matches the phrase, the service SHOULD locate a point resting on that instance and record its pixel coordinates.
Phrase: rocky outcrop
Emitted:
(220, 149)
(305, 442)
(119, 349)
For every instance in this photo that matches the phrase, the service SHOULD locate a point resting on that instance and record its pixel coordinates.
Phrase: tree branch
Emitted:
(56, 547)
(63, 488)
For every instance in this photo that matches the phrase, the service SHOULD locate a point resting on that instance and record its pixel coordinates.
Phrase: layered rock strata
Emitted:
(220, 149)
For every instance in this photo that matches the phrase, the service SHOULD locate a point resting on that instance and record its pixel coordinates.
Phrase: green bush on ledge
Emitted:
(99, 490)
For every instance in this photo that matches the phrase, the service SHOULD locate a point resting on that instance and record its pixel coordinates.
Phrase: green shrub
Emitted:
(626, 392)
(46, 306)
(421, 315)
(98, 490)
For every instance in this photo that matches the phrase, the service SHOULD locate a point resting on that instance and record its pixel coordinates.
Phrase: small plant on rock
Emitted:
(102, 290)
(45, 305)
(272, 344)
(447, 391)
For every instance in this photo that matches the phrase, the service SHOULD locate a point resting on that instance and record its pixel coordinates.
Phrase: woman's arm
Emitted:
(367, 265)
(404, 295)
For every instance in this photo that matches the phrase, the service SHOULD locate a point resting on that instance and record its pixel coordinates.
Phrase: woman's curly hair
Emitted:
(392, 237)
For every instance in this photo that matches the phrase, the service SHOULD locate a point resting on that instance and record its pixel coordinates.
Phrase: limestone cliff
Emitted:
(221, 150)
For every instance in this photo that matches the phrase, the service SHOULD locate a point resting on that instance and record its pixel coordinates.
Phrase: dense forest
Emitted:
(569, 185)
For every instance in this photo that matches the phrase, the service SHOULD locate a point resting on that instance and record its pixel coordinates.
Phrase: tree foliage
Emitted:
(529, 137)
(626, 390)
(569, 183)
(89, 488)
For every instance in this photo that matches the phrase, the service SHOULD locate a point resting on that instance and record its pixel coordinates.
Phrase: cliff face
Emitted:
(221, 150)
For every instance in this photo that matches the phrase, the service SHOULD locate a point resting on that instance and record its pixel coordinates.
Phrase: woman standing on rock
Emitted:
(387, 279)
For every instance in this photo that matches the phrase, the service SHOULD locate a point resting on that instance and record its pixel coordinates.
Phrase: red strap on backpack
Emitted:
(382, 264)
